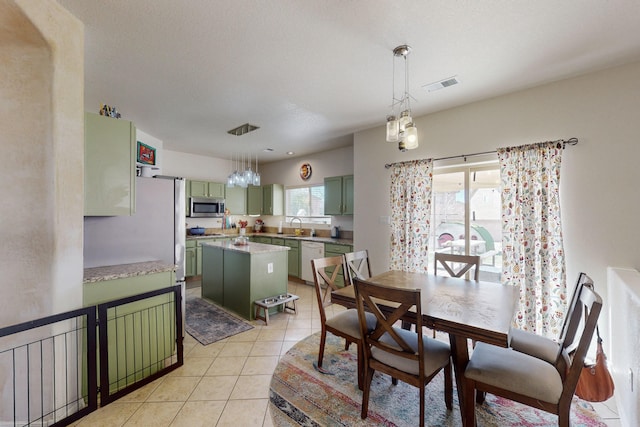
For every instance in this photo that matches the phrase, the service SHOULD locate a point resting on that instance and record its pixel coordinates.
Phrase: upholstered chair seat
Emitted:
(515, 371)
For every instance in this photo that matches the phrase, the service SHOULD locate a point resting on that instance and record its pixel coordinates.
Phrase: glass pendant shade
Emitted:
(393, 130)
(230, 181)
(256, 179)
(405, 119)
(411, 137)
(401, 129)
(248, 176)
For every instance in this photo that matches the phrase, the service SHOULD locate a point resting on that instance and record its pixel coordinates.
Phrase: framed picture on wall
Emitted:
(146, 154)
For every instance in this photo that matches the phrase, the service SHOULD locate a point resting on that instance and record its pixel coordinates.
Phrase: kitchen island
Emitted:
(234, 276)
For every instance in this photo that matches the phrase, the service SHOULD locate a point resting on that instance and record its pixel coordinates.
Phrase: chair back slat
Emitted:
(582, 324)
(465, 263)
(368, 298)
(357, 265)
(568, 335)
(319, 267)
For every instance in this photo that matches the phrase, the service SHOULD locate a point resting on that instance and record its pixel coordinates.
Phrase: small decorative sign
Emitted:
(305, 171)
(146, 154)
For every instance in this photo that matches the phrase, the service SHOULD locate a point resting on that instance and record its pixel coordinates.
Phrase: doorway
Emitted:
(466, 216)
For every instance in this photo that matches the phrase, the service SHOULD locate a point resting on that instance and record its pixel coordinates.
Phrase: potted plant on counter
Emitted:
(243, 227)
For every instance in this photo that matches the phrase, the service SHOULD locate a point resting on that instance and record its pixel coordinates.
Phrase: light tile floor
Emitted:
(227, 383)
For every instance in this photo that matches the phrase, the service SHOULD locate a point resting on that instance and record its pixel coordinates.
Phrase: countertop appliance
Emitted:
(205, 207)
(310, 250)
(335, 231)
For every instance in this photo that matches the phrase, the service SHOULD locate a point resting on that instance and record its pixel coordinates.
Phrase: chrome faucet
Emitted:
(291, 224)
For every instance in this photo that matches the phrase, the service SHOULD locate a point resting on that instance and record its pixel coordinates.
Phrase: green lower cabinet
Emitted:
(190, 256)
(333, 249)
(135, 352)
(199, 254)
(213, 275)
(294, 257)
(236, 279)
(293, 254)
(262, 239)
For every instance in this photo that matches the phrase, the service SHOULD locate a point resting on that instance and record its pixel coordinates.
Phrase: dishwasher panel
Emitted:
(310, 250)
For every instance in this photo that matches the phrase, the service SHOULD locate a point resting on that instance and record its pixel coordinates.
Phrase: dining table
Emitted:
(464, 309)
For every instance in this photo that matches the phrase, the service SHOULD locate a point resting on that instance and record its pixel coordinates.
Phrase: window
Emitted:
(465, 216)
(306, 203)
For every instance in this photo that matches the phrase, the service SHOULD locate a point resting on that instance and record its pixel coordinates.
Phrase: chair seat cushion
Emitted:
(511, 370)
(534, 345)
(347, 322)
(436, 353)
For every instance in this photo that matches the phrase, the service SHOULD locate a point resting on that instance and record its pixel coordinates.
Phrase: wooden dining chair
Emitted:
(357, 264)
(542, 347)
(457, 265)
(532, 381)
(406, 355)
(344, 324)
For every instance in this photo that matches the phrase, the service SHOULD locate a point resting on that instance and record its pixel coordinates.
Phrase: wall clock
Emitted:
(305, 171)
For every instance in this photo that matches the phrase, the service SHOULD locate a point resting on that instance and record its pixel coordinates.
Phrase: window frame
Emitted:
(307, 219)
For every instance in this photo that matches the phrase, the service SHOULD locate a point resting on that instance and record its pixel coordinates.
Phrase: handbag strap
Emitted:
(592, 286)
(598, 334)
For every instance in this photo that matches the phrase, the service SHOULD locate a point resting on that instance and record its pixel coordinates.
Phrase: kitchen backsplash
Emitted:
(271, 223)
(344, 234)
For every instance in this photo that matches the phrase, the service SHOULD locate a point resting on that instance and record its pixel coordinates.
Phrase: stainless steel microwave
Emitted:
(204, 207)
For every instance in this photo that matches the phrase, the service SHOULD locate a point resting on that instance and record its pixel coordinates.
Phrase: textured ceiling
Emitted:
(312, 72)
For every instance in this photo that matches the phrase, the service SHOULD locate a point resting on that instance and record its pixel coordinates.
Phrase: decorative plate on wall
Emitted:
(305, 171)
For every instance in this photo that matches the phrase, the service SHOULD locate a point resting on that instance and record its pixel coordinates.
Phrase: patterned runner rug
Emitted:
(209, 323)
(300, 395)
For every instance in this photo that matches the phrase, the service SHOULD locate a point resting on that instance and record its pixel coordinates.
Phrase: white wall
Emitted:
(287, 172)
(600, 204)
(336, 162)
(42, 140)
(42, 162)
(329, 163)
(195, 167)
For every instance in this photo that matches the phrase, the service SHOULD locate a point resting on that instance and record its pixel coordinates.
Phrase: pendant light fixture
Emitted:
(241, 177)
(400, 127)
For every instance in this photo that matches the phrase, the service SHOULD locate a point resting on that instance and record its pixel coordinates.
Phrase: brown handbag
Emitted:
(595, 383)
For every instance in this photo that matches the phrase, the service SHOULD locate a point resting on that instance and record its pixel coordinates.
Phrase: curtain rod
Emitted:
(570, 141)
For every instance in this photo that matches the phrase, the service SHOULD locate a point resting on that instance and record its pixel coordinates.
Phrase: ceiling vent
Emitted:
(243, 129)
(432, 87)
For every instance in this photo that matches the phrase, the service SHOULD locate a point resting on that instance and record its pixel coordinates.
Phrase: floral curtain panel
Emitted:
(533, 255)
(410, 214)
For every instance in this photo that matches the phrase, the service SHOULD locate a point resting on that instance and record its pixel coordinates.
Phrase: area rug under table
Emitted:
(209, 323)
(300, 395)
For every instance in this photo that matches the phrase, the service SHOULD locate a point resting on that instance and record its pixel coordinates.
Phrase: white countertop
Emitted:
(121, 271)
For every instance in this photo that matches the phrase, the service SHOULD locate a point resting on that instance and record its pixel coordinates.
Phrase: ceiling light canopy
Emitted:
(243, 129)
(400, 126)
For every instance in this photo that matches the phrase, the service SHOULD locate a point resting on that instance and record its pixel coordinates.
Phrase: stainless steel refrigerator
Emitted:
(156, 232)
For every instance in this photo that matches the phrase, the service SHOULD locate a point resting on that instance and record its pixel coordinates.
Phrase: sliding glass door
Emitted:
(466, 216)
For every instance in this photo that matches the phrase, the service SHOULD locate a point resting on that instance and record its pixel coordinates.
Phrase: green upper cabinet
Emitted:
(273, 199)
(236, 200)
(338, 195)
(109, 166)
(254, 200)
(347, 195)
(202, 189)
(206, 189)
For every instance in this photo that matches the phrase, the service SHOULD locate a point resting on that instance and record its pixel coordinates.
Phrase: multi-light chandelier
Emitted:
(243, 178)
(400, 127)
